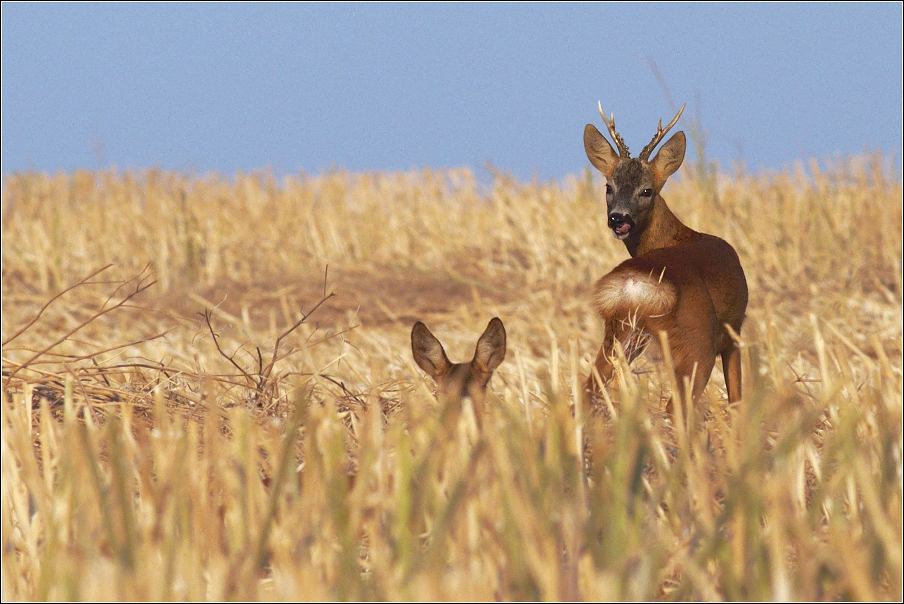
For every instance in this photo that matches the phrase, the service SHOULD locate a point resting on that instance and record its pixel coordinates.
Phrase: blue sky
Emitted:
(315, 87)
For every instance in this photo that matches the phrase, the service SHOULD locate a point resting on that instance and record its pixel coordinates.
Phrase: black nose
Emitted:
(616, 220)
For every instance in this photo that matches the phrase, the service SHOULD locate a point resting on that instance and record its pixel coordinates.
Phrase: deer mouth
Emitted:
(621, 224)
(621, 231)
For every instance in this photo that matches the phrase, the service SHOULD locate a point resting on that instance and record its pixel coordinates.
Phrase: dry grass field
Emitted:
(209, 392)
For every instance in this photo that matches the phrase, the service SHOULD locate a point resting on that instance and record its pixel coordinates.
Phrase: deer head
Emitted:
(633, 185)
(457, 381)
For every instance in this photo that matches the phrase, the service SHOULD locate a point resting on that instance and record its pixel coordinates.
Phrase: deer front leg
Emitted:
(603, 364)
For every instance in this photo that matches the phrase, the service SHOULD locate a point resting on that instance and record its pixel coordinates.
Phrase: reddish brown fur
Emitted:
(696, 279)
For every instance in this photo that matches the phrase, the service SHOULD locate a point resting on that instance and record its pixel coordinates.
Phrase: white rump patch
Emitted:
(634, 293)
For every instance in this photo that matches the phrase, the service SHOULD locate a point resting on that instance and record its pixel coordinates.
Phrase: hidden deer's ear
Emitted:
(490, 350)
(428, 352)
(669, 158)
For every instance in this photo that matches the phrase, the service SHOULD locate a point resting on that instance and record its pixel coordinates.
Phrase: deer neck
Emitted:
(663, 230)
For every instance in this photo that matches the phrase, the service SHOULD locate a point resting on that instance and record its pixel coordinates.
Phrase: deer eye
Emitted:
(646, 193)
(608, 189)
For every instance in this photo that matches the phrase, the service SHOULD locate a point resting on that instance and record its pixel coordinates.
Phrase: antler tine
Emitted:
(660, 134)
(619, 141)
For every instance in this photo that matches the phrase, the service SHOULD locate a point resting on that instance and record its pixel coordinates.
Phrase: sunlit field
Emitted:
(209, 392)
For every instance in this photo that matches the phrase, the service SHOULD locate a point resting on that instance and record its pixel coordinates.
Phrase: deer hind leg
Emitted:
(693, 359)
(731, 367)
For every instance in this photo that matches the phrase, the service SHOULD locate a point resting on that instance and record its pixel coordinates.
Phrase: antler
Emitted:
(619, 141)
(660, 134)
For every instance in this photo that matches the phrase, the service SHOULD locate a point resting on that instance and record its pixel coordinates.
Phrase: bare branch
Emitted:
(82, 281)
(140, 286)
(261, 382)
(349, 394)
(71, 358)
(207, 314)
(265, 374)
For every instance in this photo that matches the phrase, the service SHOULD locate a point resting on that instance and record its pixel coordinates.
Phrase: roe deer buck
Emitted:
(687, 284)
(455, 382)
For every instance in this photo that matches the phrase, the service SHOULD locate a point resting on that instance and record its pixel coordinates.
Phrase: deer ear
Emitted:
(669, 158)
(428, 352)
(490, 350)
(599, 151)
